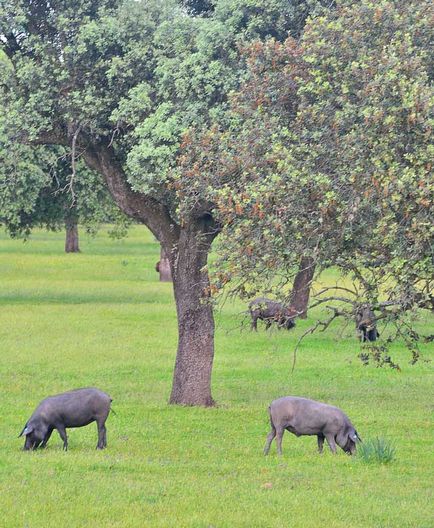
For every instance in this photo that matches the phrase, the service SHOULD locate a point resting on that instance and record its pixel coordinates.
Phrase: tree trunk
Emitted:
(301, 287)
(195, 354)
(187, 247)
(163, 267)
(71, 240)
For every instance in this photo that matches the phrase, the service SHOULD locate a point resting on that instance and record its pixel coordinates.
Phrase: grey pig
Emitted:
(74, 408)
(301, 416)
(271, 312)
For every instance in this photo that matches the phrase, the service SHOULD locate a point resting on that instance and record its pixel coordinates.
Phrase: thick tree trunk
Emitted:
(195, 354)
(163, 267)
(301, 287)
(71, 239)
(187, 248)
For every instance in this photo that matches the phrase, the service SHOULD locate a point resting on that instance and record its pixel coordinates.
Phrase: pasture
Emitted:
(101, 318)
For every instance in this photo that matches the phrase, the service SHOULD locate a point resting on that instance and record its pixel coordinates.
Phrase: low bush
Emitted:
(376, 450)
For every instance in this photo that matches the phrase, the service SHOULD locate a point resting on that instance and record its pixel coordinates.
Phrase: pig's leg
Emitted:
(104, 438)
(47, 437)
(331, 442)
(320, 439)
(101, 435)
(63, 436)
(270, 438)
(372, 334)
(254, 323)
(279, 436)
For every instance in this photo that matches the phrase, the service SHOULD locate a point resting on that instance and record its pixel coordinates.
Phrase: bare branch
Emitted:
(116, 131)
(70, 185)
(328, 299)
(341, 288)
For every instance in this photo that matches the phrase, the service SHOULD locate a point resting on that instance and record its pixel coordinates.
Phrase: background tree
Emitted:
(37, 189)
(119, 82)
(163, 267)
(199, 7)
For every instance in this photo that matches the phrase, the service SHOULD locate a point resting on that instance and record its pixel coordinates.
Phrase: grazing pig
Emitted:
(271, 312)
(75, 408)
(301, 416)
(366, 324)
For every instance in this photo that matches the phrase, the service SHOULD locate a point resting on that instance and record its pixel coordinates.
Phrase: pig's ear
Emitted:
(27, 430)
(355, 437)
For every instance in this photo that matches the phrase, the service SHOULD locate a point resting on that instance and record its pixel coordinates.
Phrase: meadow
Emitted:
(101, 318)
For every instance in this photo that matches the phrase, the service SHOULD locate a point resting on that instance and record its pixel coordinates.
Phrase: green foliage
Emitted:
(38, 187)
(329, 156)
(155, 153)
(137, 73)
(23, 173)
(265, 19)
(199, 7)
(376, 451)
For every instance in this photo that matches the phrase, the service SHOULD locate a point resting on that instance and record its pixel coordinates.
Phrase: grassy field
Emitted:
(101, 318)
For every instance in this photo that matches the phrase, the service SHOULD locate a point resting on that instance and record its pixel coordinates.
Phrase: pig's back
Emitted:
(76, 407)
(290, 407)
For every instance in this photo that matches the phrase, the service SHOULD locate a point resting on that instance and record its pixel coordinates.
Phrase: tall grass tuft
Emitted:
(376, 451)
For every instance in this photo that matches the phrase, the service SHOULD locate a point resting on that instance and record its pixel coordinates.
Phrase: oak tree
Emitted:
(117, 83)
(329, 159)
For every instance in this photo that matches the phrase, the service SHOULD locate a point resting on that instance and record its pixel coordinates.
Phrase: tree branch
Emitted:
(341, 288)
(139, 206)
(101, 158)
(327, 299)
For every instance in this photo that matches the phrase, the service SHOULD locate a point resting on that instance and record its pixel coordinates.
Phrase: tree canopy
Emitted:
(329, 156)
(137, 73)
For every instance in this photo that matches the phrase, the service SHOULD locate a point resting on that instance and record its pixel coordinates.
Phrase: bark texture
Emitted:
(301, 287)
(195, 354)
(71, 238)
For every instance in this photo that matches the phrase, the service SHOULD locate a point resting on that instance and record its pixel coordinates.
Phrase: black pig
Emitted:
(75, 408)
(366, 324)
(271, 312)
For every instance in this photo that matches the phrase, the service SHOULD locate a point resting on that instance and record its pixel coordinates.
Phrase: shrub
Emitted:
(377, 450)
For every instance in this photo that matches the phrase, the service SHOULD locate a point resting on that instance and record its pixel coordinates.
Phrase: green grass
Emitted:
(101, 318)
